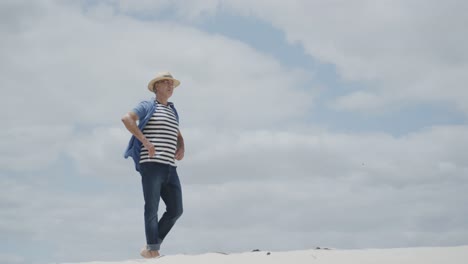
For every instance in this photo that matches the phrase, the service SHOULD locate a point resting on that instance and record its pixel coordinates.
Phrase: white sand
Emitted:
(439, 255)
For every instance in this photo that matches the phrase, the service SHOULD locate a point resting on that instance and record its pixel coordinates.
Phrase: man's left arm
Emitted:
(179, 155)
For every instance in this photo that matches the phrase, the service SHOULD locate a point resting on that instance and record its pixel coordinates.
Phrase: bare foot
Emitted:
(149, 253)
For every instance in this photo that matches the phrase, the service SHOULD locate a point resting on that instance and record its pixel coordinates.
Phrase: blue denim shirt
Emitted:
(144, 111)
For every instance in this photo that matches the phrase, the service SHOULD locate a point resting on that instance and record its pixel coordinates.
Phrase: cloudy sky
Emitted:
(307, 123)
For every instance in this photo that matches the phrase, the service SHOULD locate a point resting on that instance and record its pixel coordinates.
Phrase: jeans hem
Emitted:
(153, 246)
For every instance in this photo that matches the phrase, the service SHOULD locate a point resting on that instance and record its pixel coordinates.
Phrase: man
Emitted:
(155, 145)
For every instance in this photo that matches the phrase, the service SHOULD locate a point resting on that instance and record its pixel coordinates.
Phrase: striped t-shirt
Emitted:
(161, 130)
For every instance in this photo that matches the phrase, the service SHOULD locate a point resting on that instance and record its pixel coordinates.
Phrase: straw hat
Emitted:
(162, 76)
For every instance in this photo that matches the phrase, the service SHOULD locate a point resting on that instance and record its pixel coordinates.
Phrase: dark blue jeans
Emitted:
(160, 181)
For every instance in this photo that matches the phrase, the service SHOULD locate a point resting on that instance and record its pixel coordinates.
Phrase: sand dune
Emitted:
(432, 255)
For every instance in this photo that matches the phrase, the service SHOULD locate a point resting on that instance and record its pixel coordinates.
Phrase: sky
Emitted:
(306, 123)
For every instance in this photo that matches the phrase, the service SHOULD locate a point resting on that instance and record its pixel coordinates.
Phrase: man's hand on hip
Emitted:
(179, 155)
(150, 147)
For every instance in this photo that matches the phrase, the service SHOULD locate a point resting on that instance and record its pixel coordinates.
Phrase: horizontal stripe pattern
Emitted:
(161, 130)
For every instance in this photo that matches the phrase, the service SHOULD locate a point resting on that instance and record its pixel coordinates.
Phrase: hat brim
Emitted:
(152, 82)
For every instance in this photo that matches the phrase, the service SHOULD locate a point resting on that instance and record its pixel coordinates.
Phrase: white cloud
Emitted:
(248, 168)
(359, 101)
(72, 69)
(191, 10)
(402, 51)
(88, 68)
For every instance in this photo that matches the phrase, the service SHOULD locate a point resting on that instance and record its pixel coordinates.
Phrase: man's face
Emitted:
(165, 87)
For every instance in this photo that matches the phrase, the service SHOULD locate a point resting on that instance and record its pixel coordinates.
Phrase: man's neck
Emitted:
(162, 101)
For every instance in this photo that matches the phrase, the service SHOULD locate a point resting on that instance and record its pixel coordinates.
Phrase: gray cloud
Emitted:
(30, 147)
(403, 190)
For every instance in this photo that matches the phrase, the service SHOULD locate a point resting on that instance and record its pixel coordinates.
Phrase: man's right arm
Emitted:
(130, 121)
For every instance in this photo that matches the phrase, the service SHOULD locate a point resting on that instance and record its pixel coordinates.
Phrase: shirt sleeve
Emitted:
(141, 109)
